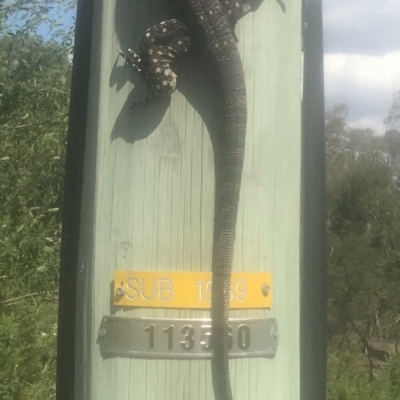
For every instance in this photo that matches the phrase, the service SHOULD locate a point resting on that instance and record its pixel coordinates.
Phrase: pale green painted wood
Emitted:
(153, 199)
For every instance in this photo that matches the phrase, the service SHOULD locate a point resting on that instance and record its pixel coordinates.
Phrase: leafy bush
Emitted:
(363, 207)
(347, 379)
(27, 352)
(34, 101)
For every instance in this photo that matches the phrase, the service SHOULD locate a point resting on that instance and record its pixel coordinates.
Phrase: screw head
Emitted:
(102, 332)
(120, 291)
(265, 290)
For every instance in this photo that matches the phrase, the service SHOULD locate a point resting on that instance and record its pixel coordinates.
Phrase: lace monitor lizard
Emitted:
(207, 27)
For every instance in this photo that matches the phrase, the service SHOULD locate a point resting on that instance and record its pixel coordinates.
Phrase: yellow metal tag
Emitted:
(189, 289)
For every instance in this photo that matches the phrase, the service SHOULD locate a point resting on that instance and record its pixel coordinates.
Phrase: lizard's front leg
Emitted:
(159, 47)
(132, 59)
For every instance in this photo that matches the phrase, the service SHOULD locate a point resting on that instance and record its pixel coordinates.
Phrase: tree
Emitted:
(33, 117)
(392, 120)
(28, 17)
(363, 232)
(392, 142)
(35, 72)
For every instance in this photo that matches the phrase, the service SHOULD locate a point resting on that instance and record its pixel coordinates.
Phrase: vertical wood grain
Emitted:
(150, 183)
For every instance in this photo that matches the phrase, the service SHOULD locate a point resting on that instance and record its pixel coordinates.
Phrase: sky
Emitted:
(362, 58)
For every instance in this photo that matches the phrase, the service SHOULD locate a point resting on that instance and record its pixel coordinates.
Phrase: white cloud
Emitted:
(372, 73)
(365, 83)
(374, 123)
(361, 26)
(362, 57)
(345, 12)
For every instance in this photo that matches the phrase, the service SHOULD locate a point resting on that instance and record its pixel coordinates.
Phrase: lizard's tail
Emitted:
(229, 154)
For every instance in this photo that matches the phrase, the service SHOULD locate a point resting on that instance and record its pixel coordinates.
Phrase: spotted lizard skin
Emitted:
(206, 27)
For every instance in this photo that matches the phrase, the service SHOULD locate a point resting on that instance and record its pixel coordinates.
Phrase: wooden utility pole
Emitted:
(140, 199)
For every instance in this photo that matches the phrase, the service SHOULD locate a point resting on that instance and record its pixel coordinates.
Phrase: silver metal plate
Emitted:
(184, 339)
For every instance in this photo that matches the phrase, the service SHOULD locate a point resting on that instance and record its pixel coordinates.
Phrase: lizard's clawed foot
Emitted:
(132, 59)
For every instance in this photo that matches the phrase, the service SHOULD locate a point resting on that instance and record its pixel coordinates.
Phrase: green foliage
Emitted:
(363, 217)
(35, 75)
(27, 17)
(348, 381)
(33, 116)
(364, 258)
(27, 344)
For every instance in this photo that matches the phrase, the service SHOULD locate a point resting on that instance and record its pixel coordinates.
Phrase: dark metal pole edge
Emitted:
(66, 345)
(313, 278)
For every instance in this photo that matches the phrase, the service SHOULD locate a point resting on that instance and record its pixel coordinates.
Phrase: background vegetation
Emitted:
(35, 71)
(363, 172)
(363, 225)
